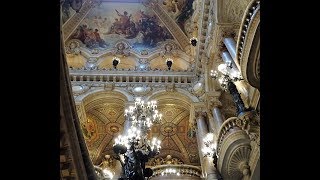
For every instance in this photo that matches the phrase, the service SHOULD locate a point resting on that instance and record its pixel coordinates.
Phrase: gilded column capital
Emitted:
(213, 99)
(196, 109)
(200, 114)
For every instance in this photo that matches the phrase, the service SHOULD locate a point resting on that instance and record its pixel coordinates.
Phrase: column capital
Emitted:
(202, 114)
(228, 33)
(196, 108)
(212, 98)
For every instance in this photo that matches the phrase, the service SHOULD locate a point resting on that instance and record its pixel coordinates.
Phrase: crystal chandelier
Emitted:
(134, 146)
(226, 77)
(226, 74)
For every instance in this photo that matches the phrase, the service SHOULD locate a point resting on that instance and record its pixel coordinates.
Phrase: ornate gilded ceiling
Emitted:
(102, 119)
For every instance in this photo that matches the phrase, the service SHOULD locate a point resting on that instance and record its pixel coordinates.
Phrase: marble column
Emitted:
(207, 166)
(217, 116)
(226, 57)
(217, 119)
(231, 46)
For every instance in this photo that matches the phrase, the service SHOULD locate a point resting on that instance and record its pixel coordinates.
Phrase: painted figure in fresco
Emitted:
(122, 24)
(91, 38)
(98, 39)
(173, 7)
(104, 26)
(88, 129)
(124, 18)
(141, 26)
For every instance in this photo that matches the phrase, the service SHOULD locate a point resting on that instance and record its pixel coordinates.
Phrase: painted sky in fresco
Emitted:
(110, 22)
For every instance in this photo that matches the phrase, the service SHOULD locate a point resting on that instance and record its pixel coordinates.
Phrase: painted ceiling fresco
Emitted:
(110, 22)
(179, 10)
(129, 20)
(67, 11)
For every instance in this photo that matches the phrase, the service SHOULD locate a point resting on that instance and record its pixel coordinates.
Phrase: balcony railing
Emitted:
(251, 11)
(178, 170)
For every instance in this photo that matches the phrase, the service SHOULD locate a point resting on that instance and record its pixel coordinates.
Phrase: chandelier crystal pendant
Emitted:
(134, 145)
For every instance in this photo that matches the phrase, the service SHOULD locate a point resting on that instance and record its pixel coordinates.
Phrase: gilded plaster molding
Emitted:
(212, 99)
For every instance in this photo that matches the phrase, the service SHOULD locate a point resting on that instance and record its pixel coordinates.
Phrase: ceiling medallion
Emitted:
(113, 128)
(73, 47)
(168, 129)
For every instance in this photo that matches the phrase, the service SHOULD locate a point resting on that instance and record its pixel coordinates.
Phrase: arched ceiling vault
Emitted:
(105, 118)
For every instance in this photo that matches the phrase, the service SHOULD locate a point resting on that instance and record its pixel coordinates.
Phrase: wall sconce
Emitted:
(193, 41)
(169, 62)
(115, 62)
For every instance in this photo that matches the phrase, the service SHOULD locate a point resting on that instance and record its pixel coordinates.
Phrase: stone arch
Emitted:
(101, 91)
(109, 105)
(178, 93)
(180, 102)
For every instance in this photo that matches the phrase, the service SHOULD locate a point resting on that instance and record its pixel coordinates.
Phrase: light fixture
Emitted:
(103, 173)
(226, 76)
(115, 62)
(193, 41)
(134, 146)
(209, 148)
(169, 62)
